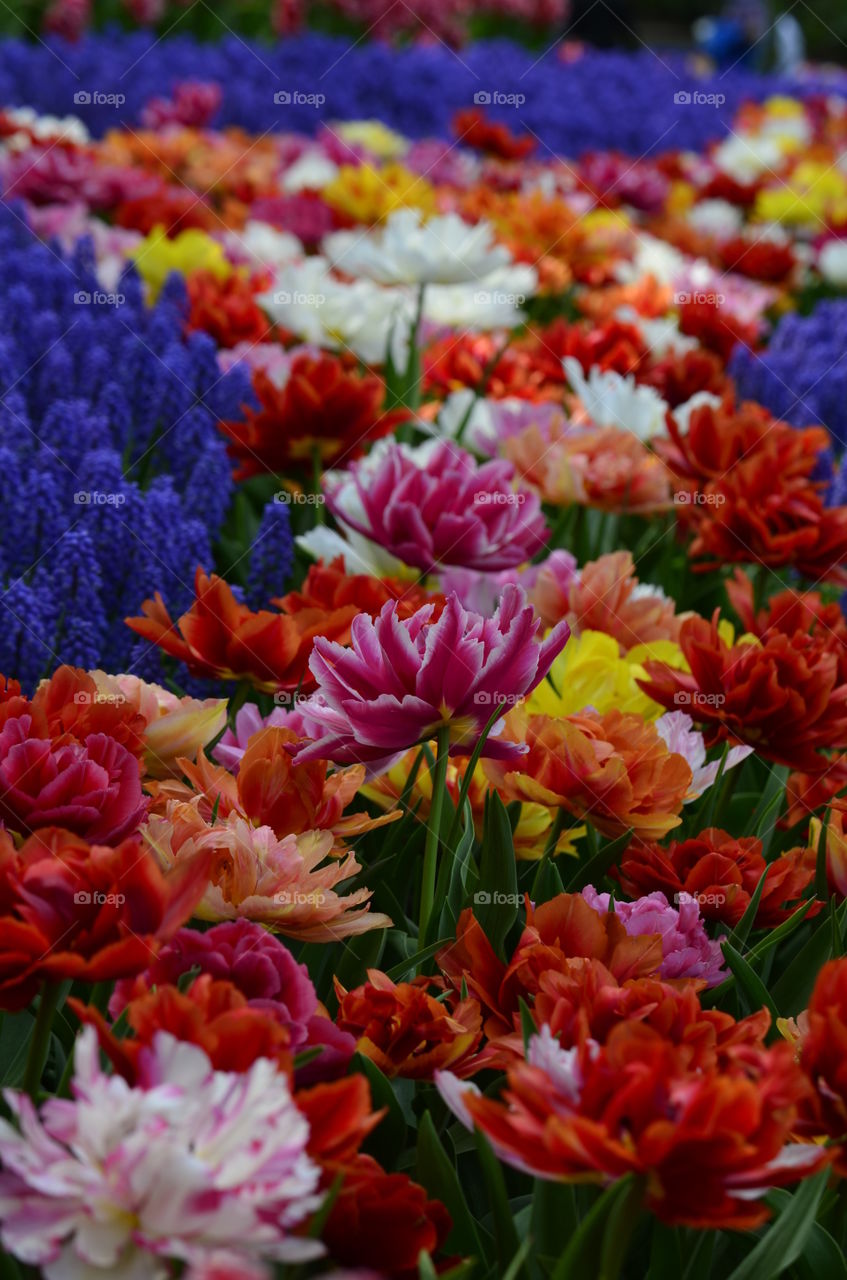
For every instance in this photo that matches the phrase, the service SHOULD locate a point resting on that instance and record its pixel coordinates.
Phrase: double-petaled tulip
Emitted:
(289, 884)
(403, 680)
(210, 1013)
(223, 639)
(271, 790)
(323, 408)
(708, 1144)
(785, 696)
(73, 910)
(823, 1056)
(92, 787)
(605, 595)
(615, 769)
(720, 872)
(404, 1029)
(186, 1164)
(435, 506)
(266, 974)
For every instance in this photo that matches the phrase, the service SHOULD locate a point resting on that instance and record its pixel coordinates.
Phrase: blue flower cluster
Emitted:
(114, 479)
(802, 376)
(629, 102)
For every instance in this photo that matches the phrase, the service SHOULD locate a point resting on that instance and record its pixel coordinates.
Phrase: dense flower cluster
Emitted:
(423, 719)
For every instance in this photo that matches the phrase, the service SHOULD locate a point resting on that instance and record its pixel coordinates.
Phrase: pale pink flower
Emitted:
(291, 885)
(187, 1163)
(677, 731)
(687, 950)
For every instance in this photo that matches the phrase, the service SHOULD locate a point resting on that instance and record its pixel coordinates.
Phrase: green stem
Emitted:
(439, 786)
(473, 761)
(39, 1044)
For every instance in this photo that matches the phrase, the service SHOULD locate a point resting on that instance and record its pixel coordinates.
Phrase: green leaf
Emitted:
(554, 1216)
(784, 1242)
(528, 1027)
(404, 967)
(739, 934)
(505, 1236)
(748, 980)
(388, 1140)
(496, 899)
(792, 989)
(592, 870)
(579, 1259)
(821, 1255)
(359, 955)
(771, 803)
(436, 1172)
(548, 882)
(516, 1265)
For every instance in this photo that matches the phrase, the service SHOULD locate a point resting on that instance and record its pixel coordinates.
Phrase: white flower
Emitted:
(832, 262)
(407, 250)
(610, 400)
(124, 1176)
(716, 218)
(676, 729)
(651, 257)
(310, 172)
(746, 157)
(492, 302)
(266, 247)
(360, 317)
(660, 336)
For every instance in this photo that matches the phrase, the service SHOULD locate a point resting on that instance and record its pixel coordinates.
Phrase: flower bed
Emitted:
(423, 720)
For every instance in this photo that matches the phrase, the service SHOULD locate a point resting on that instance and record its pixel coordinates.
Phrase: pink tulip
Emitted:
(434, 506)
(402, 681)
